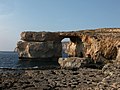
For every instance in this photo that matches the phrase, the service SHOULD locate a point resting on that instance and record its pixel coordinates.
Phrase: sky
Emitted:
(17, 16)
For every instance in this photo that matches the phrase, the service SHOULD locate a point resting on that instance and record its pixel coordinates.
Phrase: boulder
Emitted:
(71, 62)
(39, 49)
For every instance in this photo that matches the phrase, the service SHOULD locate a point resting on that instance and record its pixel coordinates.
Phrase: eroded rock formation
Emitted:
(101, 45)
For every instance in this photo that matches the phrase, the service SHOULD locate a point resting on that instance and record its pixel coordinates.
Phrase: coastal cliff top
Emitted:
(97, 33)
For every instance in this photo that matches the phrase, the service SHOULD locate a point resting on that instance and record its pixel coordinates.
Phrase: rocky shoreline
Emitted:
(107, 78)
(93, 62)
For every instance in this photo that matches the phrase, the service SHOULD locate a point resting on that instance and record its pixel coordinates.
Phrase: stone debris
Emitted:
(107, 78)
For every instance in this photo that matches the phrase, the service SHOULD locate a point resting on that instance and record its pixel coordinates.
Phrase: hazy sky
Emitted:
(54, 15)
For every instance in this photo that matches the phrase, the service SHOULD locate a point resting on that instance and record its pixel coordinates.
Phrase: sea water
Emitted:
(9, 59)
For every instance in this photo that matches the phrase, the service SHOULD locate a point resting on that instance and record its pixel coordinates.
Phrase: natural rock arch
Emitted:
(99, 44)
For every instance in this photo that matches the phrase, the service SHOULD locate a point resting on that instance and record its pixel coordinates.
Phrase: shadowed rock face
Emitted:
(100, 45)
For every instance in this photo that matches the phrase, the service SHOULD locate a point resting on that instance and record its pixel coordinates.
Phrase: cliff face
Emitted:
(103, 44)
(99, 45)
(39, 45)
(39, 49)
(75, 49)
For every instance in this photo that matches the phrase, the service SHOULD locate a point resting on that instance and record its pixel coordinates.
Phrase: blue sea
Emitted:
(9, 59)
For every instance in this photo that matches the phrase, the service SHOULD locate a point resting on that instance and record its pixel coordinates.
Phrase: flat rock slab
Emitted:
(39, 36)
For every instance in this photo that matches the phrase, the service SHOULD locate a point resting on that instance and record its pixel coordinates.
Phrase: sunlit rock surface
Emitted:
(71, 62)
(39, 36)
(39, 49)
(101, 45)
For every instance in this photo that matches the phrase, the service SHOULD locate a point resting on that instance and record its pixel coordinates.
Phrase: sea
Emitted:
(10, 60)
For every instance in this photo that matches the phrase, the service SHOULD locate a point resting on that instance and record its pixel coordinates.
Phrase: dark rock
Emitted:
(27, 86)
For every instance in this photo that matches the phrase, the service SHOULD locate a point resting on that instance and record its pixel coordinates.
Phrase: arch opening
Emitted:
(65, 42)
(72, 46)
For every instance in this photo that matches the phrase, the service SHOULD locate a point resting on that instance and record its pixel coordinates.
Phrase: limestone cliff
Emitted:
(101, 45)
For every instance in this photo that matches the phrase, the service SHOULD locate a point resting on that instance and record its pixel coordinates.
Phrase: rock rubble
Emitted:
(107, 78)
